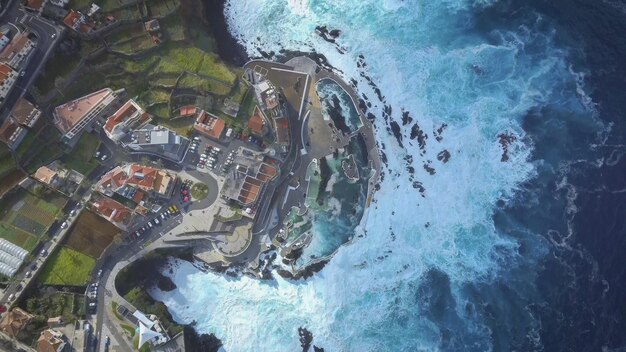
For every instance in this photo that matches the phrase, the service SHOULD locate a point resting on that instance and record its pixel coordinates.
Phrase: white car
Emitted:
(64, 225)
(97, 154)
(104, 157)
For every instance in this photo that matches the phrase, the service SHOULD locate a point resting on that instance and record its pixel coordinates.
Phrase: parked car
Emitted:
(150, 224)
(163, 216)
(97, 154)
(64, 225)
(104, 157)
(28, 273)
(99, 273)
(156, 221)
(43, 253)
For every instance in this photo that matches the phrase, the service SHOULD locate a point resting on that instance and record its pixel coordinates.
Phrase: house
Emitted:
(59, 178)
(256, 123)
(11, 133)
(246, 181)
(17, 52)
(73, 117)
(128, 117)
(14, 321)
(151, 180)
(209, 125)
(50, 341)
(25, 113)
(152, 26)
(113, 211)
(78, 22)
(34, 5)
(157, 141)
(266, 95)
(55, 321)
(281, 127)
(46, 175)
(7, 80)
(187, 111)
(4, 40)
(112, 180)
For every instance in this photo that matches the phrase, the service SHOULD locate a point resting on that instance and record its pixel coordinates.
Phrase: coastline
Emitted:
(228, 47)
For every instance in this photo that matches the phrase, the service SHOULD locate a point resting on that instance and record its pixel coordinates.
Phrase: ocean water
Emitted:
(511, 243)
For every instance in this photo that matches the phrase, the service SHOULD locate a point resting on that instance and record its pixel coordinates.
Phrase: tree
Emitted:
(39, 190)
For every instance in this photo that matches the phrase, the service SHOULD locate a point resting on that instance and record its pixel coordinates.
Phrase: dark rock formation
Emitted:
(443, 156)
(395, 128)
(505, 139)
(306, 338)
(200, 343)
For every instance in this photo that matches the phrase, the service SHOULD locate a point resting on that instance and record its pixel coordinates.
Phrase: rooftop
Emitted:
(248, 177)
(71, 113)
(50, 341)
(14, 321)
(14, 47)
(111, 210)
(209, 125)
(128, 115)
(25, 113)
(34, 4)
(187, 110)
(282, 130)
(113, 179)
(45, 174)
(256, 124)
(5, 72)
(10, 131)
(77, 21)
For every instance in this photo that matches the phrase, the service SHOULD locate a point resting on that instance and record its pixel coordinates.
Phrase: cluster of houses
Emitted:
(130, 190)
(50, 339)
(16, 48)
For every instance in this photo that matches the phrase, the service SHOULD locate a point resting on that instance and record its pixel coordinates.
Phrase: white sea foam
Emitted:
(425, 61)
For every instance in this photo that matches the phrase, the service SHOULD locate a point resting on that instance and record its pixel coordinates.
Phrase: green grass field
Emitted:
(67, 267)
(18, 237)
(24, 218)
(81, 157)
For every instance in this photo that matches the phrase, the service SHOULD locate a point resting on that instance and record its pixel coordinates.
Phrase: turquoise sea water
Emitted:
(454, 263)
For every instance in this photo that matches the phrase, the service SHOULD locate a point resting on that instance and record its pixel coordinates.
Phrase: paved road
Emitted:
(118, 257)
(44, 30)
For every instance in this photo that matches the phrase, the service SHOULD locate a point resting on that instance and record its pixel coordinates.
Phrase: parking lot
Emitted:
(209, 147)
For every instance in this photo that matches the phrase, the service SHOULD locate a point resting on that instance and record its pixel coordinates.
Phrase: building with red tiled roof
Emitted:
(78, 22)
(18, 50)
(187, 110)
(7, 80)
(50, 341)
(281, 127)
(113, 211)
(150, 179)
(75, 116)
(246, 181)
(128, 117)
(11, 133)
(34, 5)
(14, 321)
(112, 180)
(209, 125)
(256, 123)
(25, 113)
